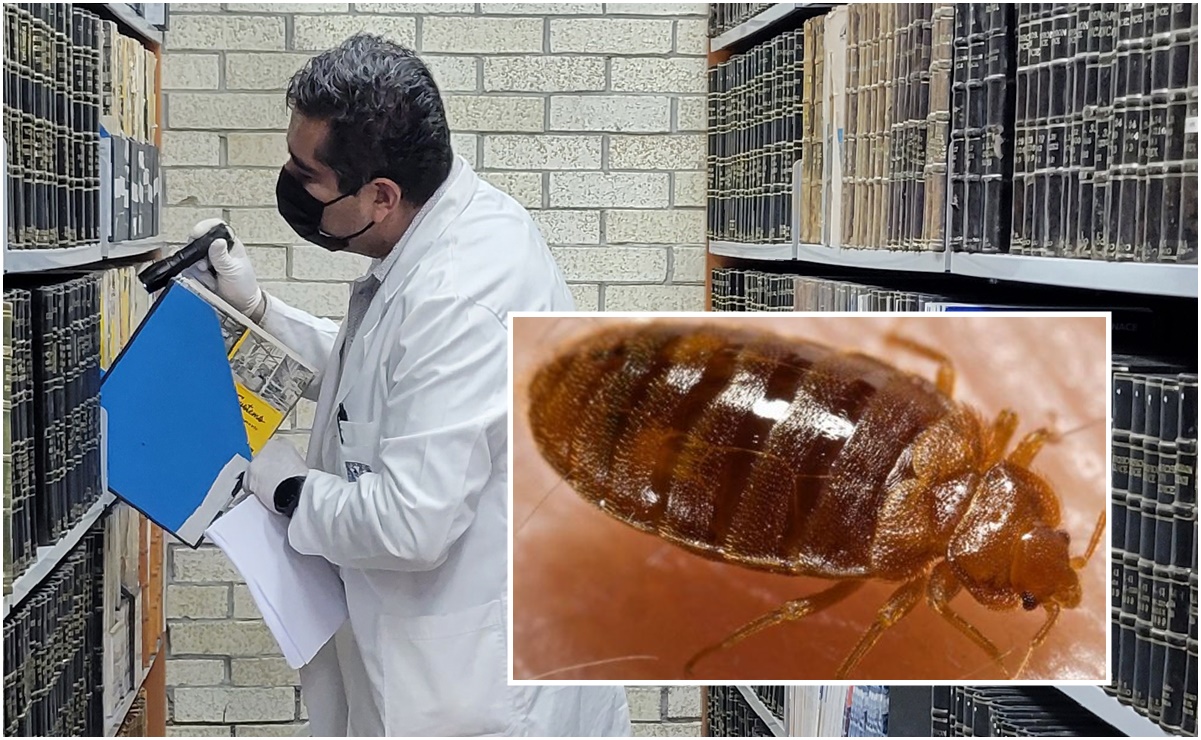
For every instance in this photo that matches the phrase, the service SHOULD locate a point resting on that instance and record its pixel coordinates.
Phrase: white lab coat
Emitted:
(420, 536)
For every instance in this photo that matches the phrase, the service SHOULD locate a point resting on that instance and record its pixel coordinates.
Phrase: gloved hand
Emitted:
(236, 282)
(275, 463)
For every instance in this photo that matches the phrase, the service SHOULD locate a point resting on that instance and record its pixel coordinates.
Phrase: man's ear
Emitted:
(388, 194)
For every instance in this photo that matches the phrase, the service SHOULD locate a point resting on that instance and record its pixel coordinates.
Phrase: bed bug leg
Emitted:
(943, 587)
(945, 379)
(898, 605)
(1052, 615)
(998, 438)
(789, 612)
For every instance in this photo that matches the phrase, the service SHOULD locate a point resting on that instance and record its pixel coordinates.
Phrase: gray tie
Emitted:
(360, 300)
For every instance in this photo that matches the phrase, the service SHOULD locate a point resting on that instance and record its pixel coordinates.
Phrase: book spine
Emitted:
(12, 129)
(1189, 721)
(1122, 409)
(95, 42)
(11, 543)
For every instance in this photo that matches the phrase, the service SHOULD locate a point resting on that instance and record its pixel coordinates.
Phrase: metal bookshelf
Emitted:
(135, 248)
(1108, 708)
(135, 22)
(24, 261)
(773, 16)
(1151, 278)
(879, 259)
(1134, 278)
(1145, 278)
(152, 671)
(753, 251)
(42, 260)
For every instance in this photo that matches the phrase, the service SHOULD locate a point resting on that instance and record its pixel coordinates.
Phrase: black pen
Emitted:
(341, 418)
(238, 485)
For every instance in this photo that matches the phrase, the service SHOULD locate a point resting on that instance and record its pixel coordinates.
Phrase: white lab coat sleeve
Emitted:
(444, 423)
(308, 336)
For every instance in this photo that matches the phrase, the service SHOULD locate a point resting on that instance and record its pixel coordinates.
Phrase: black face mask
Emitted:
(303, 213)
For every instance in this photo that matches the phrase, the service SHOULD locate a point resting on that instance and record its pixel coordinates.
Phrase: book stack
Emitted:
(820, 294)
(121, 607)
(982, 127)
(867, 715)
(52, 651)
(20, 541)
(129, 115)
(898, 62)
(751, 290)
(1105, 164)
(773, 697)
(729, 715)
(9, 564)
(51, 132)
(124, 304)
(754, 139)
(724, 16)
(836, 711)
(1153, 530)
(135, 721)
(1032, 711)
(736, 289)
(65, 409)
(813, 133)
(52, 456)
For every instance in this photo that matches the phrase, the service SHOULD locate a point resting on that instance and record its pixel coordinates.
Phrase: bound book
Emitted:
(198, 390)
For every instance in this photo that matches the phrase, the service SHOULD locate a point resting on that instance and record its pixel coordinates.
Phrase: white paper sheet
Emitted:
(300, 596)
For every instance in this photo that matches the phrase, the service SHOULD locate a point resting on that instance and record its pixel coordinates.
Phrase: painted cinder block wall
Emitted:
(591, 115)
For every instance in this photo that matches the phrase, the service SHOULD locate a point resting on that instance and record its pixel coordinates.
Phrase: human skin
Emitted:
(596, 599)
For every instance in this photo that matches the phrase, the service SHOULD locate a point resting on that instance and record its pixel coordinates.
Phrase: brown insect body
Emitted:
(791, 457)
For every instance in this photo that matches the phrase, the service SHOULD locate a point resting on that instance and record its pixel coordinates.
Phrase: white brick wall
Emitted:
(591, 115)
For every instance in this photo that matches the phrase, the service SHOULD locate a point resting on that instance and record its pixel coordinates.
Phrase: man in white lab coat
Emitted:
(405, 485)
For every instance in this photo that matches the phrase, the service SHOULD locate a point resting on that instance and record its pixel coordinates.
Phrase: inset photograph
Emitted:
(810, 497)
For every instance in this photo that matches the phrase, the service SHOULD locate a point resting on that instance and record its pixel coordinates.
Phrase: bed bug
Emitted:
(792, 457)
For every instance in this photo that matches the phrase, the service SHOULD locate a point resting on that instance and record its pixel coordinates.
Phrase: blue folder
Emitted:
(175, 427)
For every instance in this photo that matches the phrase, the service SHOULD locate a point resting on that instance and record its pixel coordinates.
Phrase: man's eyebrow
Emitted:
(301, 164)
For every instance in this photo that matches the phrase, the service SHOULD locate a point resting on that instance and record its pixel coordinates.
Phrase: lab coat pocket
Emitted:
(446, 675)
(359, 442)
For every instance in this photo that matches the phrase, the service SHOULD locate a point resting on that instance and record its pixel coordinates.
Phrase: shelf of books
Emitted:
(81, 119)
(967, 157)
(917, 711)
(83, 576)
(870, 137)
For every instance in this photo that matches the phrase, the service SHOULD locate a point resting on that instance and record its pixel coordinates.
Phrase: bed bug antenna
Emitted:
(537, 506)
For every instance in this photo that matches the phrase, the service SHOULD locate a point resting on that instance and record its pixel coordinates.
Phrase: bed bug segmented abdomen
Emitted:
(739, 445)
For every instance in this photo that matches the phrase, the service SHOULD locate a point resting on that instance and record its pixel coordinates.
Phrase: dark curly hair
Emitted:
(385, 115)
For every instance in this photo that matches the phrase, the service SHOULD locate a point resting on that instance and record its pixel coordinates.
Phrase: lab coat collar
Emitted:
(422, 236)
(439, 212)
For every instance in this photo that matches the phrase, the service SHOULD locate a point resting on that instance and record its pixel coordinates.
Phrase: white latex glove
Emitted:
(236, 282)
(275, 463)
